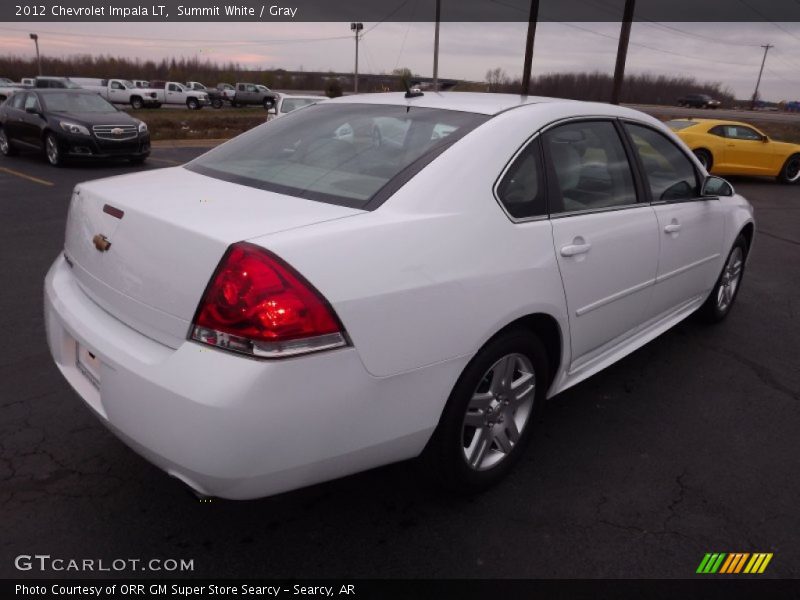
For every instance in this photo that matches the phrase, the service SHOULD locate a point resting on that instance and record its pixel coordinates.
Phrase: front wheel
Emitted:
(720, 301)
(490, 414)
(193, 104)
(5, 144)
(137, 103)
(790, 173)
(705, 158)
(52, 150)
(217, 103)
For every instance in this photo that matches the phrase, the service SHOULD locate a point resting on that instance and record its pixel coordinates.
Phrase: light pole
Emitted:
(35, 38)
(356, 28)
(766, 48)
(436, 47)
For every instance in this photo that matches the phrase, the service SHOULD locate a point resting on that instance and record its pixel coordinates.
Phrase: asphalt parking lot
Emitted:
(688, 446)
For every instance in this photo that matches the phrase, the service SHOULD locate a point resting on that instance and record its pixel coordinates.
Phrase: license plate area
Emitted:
(88, 364)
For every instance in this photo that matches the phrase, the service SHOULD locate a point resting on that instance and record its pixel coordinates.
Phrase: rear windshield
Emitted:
(678, 125)
(339, 153)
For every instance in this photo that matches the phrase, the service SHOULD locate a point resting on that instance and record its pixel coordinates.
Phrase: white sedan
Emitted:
(297, 304)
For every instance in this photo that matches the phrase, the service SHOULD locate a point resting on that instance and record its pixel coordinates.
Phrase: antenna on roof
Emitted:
(411, 92)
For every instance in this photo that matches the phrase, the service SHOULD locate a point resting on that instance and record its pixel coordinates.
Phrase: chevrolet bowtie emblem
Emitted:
(101, 242)
(117, 131)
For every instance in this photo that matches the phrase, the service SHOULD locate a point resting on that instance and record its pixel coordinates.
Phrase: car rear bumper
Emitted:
(231, 426)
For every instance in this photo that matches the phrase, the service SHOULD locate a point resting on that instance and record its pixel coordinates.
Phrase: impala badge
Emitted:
(101, 242)
(117, 131)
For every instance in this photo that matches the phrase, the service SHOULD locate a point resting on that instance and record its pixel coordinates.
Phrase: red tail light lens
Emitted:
(258, 305)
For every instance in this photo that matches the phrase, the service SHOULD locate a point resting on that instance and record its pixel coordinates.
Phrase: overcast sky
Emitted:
(729, 53)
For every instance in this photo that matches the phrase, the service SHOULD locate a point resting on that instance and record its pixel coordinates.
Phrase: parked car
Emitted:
(698, 101)
(141, 83)
(66, 123)
(252, 94)
(215, 97)
(28, 81)
(63, 83)
(5, 82)
(228, 91)
(7, 90)
(734, 148)
(287, 103)
(388, 303)
(122, 91)
(172, 92)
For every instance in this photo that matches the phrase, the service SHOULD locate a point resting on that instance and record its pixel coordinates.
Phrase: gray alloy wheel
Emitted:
(790, 173)
(720, 301)
(5, 145)
(729, 282)
(498, 411)
(490, 415)
(51, 150)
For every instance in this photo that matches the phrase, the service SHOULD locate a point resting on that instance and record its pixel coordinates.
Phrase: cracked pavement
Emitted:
(687, 446)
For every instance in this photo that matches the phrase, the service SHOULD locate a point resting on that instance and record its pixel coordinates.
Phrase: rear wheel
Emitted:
(217, 103)
(705, 158)
(720, 301)
(790, 173)
(490, 414)
(5, 144)
(52, 150)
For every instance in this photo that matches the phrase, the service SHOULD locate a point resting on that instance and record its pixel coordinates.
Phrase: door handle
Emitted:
(576, 248)
(672, 228)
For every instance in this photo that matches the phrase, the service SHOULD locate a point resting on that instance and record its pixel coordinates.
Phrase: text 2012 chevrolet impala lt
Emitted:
(378, 277)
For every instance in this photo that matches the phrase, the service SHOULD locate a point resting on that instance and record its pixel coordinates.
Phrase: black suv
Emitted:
(698, 101)
(65, 123)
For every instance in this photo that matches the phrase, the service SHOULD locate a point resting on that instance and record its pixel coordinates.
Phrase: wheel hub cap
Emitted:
(731, 276)
(498, 412)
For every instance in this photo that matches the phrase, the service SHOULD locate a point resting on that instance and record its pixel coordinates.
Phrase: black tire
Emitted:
(705, 158)
(192, 104)
(217, 103)
(790, 172)
(268, 103)
(6, 148)
(52, 151)
(444, 458)
(137, 103)
(234, 104)
(712, 311)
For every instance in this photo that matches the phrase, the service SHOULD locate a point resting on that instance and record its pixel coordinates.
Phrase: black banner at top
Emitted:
(396, 10)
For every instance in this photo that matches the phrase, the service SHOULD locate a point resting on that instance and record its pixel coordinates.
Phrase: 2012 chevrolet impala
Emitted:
(317, 297)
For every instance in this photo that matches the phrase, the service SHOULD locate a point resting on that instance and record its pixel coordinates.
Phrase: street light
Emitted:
(35, 38)
(356, 28)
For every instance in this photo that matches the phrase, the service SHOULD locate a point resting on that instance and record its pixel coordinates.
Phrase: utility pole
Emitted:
(533, 17)
(766, 48)
(356, 28)
(622, 51)
(436, 47)
(35, 38)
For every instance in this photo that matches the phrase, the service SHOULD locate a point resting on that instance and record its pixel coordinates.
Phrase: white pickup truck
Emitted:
(172, 92)
(122, 91)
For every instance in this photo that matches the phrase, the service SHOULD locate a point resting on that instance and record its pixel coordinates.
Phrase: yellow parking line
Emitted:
(169, 161)
(28, 177)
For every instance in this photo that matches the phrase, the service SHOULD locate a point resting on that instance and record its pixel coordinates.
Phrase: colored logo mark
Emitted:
(734, 562)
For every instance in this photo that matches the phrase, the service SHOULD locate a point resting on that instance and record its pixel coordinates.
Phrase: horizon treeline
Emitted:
(594, 86)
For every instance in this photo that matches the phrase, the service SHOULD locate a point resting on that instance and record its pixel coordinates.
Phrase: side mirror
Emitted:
(716, 187)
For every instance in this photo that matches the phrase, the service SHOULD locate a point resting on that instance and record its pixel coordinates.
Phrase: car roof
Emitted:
(715, 122)
(493, 104)
(60, 90)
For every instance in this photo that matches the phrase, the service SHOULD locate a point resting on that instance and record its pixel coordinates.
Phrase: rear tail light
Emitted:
(257, 304)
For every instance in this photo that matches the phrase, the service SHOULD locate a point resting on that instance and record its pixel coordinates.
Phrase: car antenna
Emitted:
(409, 93)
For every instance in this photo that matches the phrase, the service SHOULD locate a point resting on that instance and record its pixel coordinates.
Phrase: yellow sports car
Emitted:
(732, 148)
